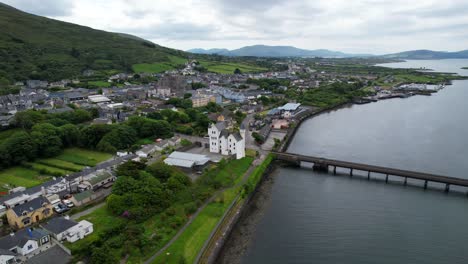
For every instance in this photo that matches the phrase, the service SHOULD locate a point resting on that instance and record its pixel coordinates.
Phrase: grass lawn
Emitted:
(83, 156)
(228, 68)
(62, 164)
(159, 67)
(102, 219)
(45, 169)
(192, 239)
(100, 83)
(20, 176)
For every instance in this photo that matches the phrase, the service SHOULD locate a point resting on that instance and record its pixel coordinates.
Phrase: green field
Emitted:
(100, 83)
(102, 220)
(48, 170)
(20, 176)
(159, 67)
(228, 67)
(83, 156)
(34, 173)
(62, 164)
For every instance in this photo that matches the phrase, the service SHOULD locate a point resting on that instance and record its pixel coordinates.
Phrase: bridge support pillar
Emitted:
(447, 188)
(425, 185)
(351, 173)
(406, 181)
(368, 175)
(386, 178)
(334, 170)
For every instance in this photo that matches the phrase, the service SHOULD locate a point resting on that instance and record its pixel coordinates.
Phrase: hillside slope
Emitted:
(35, 47)
(428, 54)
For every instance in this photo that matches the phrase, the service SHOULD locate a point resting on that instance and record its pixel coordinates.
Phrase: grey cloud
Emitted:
(174, 31)
(53, 8)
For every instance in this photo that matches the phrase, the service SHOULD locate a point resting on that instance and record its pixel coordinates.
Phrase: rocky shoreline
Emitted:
(241, 236)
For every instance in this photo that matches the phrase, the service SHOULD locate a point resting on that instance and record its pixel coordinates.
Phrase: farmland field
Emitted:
(62, 164)
(20, 176)
(83, 157)
(228, 68)
(49, 170)
(158, 67)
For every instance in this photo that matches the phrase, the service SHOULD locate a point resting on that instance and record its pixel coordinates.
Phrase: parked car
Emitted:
(60, 208)
(68, 203)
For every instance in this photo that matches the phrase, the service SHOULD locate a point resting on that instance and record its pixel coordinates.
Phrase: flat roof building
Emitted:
(186, 160)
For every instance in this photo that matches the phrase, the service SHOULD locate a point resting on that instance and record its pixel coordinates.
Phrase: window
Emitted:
(44, 240)
(30, 247)
(26, 221)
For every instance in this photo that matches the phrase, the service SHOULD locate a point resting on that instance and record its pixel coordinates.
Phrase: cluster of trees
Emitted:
(146, 192)
(190, 120)
(331, 94)
(269, 84)
(45, 135)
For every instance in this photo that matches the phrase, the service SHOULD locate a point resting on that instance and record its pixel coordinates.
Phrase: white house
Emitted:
(226, 142)
(7, 257)
(25, 241)
(63, 228)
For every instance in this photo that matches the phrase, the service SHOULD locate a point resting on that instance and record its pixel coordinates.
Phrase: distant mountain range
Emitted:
(428, 54)
(289, 51)
(277, 51)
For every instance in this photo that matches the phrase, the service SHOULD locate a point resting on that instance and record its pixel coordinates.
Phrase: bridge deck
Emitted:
(372, 168)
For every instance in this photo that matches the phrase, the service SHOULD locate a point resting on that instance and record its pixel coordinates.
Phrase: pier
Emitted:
(323, 164)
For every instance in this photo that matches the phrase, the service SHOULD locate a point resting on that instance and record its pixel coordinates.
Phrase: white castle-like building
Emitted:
(226, 142)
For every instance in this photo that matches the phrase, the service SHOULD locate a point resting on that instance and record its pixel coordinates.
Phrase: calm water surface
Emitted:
(320, 218)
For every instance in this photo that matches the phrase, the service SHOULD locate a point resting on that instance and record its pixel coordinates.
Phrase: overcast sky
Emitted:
(358, 26)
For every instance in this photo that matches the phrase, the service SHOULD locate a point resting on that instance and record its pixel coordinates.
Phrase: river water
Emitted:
(320, 218)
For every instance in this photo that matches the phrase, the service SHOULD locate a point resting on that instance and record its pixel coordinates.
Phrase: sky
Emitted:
(353, 26)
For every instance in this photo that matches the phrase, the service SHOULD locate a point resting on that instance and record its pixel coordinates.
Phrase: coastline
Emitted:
(241, 235)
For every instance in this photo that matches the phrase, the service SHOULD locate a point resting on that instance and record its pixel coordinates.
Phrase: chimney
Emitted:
(43, 191)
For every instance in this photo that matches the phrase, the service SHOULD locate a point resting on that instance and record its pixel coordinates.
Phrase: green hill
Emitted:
(35, 47)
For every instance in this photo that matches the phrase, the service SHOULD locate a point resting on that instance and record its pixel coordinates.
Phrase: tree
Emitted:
(121, 137)
(160, 170)
(17, 148)
(70, 135)
(130, 168)
(237, 71)
(187, 95)
(27, 119)
(47, 139)
(91, 135)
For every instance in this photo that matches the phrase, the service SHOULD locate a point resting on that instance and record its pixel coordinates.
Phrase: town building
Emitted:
(225, 141)
(29, 213)
(187, 160)
(25, 242)
(63, 228)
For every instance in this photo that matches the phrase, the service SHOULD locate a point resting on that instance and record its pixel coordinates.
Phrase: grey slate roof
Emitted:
(220, 125)
(59, 224)
(21, 237)
(30, 206)
(237, 136)
(54, 255)
(6, 252)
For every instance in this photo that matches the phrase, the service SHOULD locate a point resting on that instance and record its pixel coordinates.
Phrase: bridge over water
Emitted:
(323, 164)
